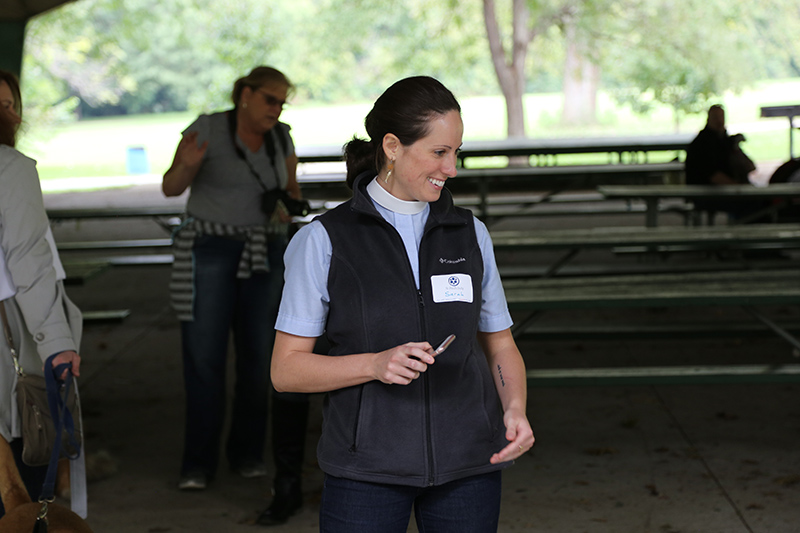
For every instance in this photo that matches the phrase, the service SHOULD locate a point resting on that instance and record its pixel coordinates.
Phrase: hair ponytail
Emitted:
(359, 156)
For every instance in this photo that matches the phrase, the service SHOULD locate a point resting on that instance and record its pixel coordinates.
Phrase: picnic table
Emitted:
(547, 151)
(789, 111)
(485, 182)
(652, 239)
(746, 289)
(530, 295)
(653, 194)
(166, 210)
(637, 148)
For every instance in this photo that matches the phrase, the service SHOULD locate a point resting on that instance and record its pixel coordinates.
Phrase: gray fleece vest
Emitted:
(446, 424)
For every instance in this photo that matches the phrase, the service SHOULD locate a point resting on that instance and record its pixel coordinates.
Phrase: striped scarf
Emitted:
(253, 258)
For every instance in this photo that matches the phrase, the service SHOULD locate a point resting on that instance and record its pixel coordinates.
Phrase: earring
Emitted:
(244, 105)
(389, 172)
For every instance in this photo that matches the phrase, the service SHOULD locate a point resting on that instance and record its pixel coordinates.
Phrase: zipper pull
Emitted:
(38, 416)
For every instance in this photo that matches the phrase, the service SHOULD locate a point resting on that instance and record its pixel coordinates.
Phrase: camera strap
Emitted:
(269, 147)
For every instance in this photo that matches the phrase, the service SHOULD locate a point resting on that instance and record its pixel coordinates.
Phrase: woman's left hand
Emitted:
(68, 356)
(519, 432)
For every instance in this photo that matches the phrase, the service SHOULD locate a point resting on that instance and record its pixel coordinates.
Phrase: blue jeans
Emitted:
(469, 505)
(248, 307)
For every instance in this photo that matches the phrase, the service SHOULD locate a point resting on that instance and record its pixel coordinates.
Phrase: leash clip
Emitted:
(41, 518)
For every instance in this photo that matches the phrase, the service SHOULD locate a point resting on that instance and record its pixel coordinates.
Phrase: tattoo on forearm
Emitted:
(500, 373)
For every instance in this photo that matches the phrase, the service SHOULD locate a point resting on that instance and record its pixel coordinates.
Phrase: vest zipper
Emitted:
(427, 394)
(424, 331)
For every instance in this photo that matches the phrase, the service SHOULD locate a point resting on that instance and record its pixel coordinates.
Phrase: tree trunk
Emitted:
(511, 75)
(581, 79)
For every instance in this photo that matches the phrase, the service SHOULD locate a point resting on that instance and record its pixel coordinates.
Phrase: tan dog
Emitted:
(21, 512)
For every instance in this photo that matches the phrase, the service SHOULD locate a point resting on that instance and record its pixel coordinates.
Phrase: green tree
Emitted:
(126, 56)
(574, 24)
(774, 27)
(67, 57)
(136, 56)
(682, 55)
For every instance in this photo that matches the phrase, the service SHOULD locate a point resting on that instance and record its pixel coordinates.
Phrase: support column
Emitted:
(12, 38)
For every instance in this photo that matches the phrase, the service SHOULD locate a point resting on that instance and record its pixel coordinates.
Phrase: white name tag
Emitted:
(452, 288)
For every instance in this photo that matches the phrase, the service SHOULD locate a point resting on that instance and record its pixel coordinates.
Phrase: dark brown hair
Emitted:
(405, 110)
(8, 126)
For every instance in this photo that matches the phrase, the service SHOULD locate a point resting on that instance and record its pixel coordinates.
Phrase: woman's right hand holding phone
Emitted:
(403, 364)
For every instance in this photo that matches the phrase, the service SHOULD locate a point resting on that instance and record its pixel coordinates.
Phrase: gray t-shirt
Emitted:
(225, 189)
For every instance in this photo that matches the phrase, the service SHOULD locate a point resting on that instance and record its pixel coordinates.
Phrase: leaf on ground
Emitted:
(788, 481)
(607, 450)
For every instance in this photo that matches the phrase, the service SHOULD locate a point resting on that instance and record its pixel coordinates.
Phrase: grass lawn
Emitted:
(99, 147)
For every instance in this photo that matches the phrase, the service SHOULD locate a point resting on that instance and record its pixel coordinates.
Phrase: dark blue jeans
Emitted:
(247, 307)
(469, 505)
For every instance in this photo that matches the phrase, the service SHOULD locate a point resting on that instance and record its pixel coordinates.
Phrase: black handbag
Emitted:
(38, 427)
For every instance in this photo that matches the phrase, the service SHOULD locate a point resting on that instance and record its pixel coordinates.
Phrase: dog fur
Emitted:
(21, 512)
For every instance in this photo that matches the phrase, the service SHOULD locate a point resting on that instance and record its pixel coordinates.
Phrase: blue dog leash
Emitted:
(57, 394)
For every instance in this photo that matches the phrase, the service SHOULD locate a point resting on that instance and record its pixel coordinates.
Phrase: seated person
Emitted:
(715, 158)
(788, 172)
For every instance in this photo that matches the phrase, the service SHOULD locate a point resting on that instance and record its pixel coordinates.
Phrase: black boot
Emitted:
(287, 500)
(289, 422)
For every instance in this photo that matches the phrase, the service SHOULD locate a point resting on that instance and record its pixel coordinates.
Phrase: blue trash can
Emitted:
(136, 161)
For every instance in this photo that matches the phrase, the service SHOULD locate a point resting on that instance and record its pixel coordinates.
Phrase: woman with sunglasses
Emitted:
(227, 276)
(388, 277)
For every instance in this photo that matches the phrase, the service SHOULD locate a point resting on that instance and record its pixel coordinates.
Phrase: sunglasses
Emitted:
(271, 100)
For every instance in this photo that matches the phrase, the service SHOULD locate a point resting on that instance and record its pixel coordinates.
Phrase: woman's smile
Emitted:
(422, 168)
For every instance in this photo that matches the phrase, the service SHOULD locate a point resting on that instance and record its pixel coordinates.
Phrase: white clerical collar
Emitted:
(392, 203)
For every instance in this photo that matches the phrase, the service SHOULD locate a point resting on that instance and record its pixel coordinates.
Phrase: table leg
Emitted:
(651, 215)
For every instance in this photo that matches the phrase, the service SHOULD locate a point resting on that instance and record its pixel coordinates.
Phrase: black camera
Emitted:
(296, 208)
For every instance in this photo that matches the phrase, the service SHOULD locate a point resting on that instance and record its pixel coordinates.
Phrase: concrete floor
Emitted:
(608, 459)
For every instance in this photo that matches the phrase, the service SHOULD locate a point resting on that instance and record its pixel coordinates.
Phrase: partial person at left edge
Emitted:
(41, 318)
(240, 168)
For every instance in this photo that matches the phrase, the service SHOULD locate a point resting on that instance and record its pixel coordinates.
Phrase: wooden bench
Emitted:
(165, 215)
(740, 288)
(652, 195)
(619, 268)
(79, 272)
(646, 239)
(606, 237)
(665, 375)
(100, 317)
(166, 210)
(115, 244)
(744, 288)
